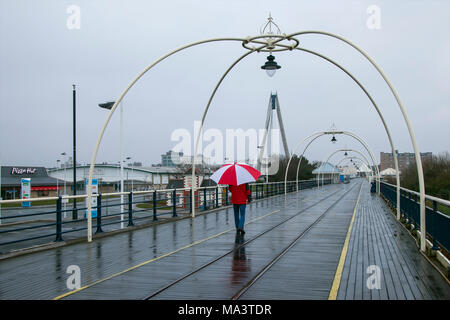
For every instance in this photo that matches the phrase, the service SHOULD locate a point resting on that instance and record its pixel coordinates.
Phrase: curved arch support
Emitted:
(357, 158)
(114, 107)
(319, 134)
(408, 124)
(379, 114)
(290, 158)
(288, 47)
(351, 150)
(203, 121)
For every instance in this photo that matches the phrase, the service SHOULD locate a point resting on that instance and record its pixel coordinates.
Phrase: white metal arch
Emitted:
(319, 134)
(114, 107)
(361, 162)
(379, 114)
(408, 124)
(355, 157)
(359, 159)
(358, 152)
(269, 45)
(351, 76)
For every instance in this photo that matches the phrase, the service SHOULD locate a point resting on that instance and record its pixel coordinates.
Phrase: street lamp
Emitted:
(65, 165)
(333, 139)
(270, 66)
(74, 193)
(132, 184)
(109, 105)
(57, 180)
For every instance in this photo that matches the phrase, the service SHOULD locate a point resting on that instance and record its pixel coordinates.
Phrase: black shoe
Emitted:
(242, 231)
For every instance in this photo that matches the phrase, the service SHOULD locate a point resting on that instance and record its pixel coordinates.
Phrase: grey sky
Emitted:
(40, 59)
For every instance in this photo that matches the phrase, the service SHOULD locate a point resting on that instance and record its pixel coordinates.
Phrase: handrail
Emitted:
(82, 196)
(174, 203)
(442, 201)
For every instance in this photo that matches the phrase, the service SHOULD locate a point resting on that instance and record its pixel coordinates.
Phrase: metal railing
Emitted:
(36, 225)
(437, 223)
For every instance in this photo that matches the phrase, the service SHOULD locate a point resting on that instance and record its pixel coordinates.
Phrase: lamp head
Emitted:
(107, 105)
(270, 66)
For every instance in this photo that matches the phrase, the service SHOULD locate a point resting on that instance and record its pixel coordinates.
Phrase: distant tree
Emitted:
(201, 169)
(436, 173)
(305, 171)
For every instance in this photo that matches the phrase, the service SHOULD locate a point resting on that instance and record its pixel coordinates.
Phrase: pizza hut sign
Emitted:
(19, 171)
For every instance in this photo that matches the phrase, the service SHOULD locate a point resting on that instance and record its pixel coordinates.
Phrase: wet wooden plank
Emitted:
(308, 269)
(386, 244)
(305, 273)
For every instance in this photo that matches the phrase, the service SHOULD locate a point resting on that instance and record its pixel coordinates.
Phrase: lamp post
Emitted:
(132, 184)
(65, 178)
(74, 211)
(64, 155)
(57, 180)
(109, 105)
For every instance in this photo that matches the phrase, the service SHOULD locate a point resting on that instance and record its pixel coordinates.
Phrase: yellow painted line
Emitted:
(338, 275)
(155, 259)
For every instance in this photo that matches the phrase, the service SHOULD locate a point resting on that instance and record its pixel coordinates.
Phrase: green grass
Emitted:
(444, 209)
(440, 207)
(149, 205)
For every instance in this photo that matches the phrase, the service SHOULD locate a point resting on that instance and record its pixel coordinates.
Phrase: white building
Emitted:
(108, 175)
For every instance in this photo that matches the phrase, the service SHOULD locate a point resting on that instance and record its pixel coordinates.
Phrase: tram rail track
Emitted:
(285, 250)
(98, 282)
(239, 293)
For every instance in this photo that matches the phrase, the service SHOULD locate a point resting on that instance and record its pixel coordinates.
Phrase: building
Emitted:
(327, 171)
(404, 159)
(173, 159)
(389, 172)
(109, 177)
(46, 182)
(183, 194)
(42, 185)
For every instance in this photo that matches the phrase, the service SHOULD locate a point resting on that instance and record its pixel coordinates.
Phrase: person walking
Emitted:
(240, 195)
(237, 176)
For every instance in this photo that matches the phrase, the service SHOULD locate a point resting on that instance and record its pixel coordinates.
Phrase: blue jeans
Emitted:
(239, 215)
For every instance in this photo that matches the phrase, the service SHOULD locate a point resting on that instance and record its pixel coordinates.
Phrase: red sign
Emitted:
(44, 188)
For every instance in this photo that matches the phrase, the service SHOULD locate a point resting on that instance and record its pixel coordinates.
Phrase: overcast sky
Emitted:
(40, 59)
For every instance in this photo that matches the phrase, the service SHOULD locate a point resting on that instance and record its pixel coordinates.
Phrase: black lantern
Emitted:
(270, 66)
(333, 139)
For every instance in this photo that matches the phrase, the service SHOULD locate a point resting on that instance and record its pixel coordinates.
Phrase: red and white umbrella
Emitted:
(235, 174)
